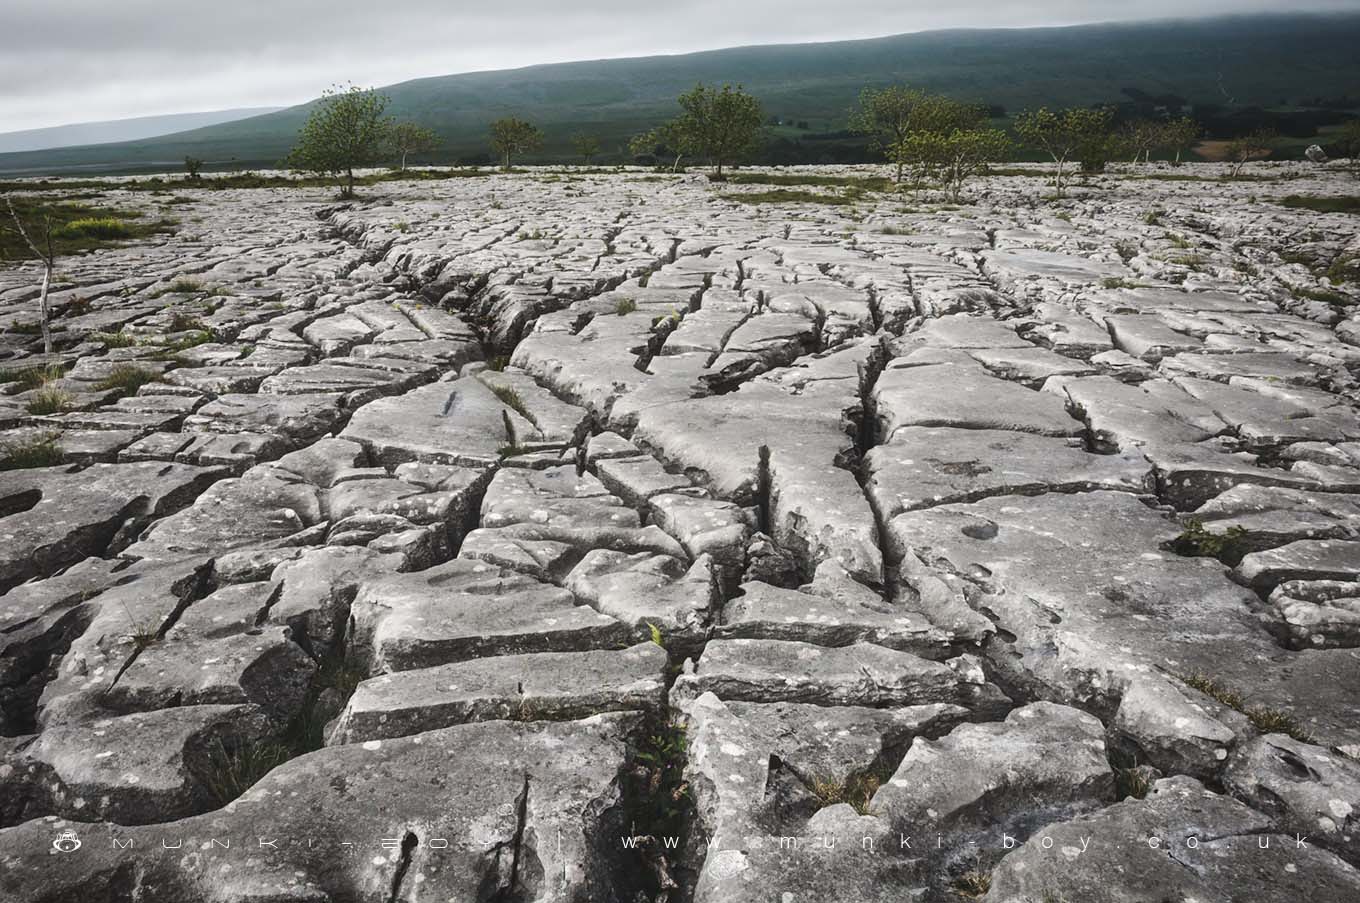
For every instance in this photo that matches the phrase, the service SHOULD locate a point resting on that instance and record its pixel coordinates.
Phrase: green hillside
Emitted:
(1274, 61)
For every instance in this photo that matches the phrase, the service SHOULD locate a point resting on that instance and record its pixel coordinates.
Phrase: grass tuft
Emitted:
(232, 771)
(49, 400)
(30, 378)
(127, 379)
(41, 450)
(1266, 720)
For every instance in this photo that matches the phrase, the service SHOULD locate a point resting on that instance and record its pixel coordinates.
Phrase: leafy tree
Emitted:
(1074, 134)
(1349, 145)
(720, 124)
(192, 166)
(921, 154)
(345, 131)
(511, 136)
(1254, 146)
(944, 142)
(408, 138)
(1141, 137)
(967, 153)
(585, 145)
(665, 140)
(886, 117)
(1180, 135)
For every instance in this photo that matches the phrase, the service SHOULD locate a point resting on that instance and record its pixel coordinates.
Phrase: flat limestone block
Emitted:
(463, 803)
(547, 686)
(926, 466)
(467, 609)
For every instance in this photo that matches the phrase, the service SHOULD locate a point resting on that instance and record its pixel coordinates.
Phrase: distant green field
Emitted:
(1233, 62)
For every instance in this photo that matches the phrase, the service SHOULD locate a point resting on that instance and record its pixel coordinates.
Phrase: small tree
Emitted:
(967, 153)
(665, 140)
(1348, 145)
(511, 136)
(345, 131)
(1254, 146)
(1140, 137)
(42, 249)
(1075, 134)
(192, 166)
(941, 129)
(408, 138)
(921, 154)
(585, 145)
(720, 124)
(1179, 135)
(886, 117)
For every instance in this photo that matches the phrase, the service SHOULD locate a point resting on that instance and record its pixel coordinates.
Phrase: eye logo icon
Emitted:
(66, 842)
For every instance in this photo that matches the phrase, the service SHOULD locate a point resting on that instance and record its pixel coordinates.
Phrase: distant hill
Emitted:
(1233, 62)
(120, 129)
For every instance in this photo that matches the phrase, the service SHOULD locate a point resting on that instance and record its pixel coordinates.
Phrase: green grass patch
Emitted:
(1342, 204)
(864, 183)
(75, 227)
(41, 450)
(787, 196)
(106, 228)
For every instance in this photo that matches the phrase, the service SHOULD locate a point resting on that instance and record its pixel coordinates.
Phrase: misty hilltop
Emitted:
(1237, 62)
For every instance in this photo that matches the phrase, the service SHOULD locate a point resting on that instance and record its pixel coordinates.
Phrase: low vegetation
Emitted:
(1339, 204)
(1264, 719)
(49, 399)
(75, 227)
(857, 790)
(787, 196)
(127, 379)
(37, 450)
(1197, 541)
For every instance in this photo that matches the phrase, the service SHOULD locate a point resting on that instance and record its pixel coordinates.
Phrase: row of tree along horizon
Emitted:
(929, 138)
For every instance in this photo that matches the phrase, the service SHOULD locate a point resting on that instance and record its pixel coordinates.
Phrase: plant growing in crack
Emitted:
(1195, 541)
(659, 801)
(1264, 719)
(140, 635)
(975, 882)
(232, 770)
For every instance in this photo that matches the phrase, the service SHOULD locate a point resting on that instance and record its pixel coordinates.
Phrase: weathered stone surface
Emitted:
(541, 802)
(861, 465)
(543, 686)
(466, 609)
(1215, 842)
(922, 467)
(859, 674)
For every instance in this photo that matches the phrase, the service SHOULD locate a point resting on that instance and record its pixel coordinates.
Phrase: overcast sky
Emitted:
(65, 61)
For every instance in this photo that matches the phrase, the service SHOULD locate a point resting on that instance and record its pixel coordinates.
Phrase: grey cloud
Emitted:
(76, 60)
